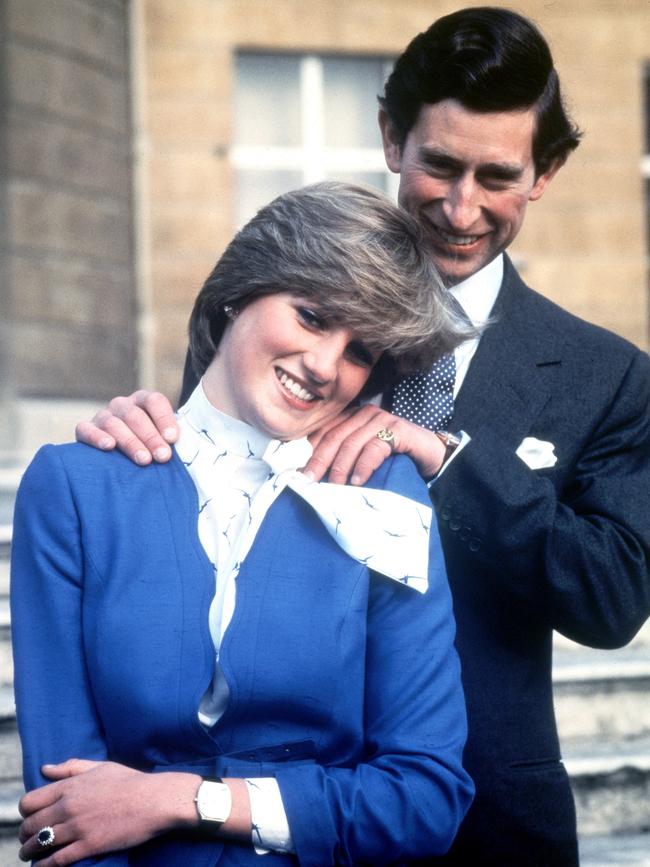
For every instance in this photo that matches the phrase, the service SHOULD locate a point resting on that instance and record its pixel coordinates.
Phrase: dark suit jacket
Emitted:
(330, 691)
(529, 551)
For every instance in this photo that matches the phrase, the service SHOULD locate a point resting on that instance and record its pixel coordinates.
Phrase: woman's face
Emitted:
(282, 368)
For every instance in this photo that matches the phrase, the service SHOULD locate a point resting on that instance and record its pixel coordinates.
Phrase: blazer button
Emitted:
(454, 525)
(445, 513)
(465, 533)
(474, 544)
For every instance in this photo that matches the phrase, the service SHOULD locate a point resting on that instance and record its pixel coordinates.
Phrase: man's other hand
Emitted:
(141, 426)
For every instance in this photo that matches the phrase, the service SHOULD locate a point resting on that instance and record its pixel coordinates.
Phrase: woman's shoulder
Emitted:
(398, 473)
(85, 468)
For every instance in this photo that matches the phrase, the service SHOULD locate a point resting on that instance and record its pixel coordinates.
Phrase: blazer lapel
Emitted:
(508, 382)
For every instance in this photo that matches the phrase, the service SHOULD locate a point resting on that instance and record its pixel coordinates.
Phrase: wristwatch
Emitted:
(449, 440)
(213, 802)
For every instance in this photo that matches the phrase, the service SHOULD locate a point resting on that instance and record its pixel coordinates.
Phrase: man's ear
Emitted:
(544, 180)
(390, 141)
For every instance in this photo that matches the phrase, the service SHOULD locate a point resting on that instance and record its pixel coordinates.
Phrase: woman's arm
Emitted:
(57, 716)
(407, 799)
(98, 807)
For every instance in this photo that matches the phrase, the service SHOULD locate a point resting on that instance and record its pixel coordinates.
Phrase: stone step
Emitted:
(611, 786)
(9, 481)
(11, 792)
(621, 850)
(602, 694)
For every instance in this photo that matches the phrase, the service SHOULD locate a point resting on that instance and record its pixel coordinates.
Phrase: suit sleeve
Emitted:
(575, 553)
(57, 719)
(407, 799)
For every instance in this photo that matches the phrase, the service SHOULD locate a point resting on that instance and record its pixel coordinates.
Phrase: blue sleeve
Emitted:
(407, 800)
(56, 714)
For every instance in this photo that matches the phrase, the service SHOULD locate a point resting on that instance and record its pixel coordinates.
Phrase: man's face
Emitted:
(467, 178)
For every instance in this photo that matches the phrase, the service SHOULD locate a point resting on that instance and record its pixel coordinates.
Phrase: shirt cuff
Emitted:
(270, 828)
(464, 439)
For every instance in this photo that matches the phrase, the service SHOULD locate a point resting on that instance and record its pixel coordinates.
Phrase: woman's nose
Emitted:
(323, 357)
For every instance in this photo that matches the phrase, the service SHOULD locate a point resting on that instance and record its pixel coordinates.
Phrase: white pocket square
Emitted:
(537, 454)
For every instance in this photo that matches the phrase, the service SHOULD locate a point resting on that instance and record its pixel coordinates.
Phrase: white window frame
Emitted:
(313, 159)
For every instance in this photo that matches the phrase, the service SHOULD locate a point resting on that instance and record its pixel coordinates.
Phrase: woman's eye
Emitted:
(310, 317)
(360, 354)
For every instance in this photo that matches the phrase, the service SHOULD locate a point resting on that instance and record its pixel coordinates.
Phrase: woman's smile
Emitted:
(283, 368)
(294, 387)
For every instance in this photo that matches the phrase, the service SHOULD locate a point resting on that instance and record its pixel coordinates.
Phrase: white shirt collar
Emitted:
(477, 294)
(240, 438)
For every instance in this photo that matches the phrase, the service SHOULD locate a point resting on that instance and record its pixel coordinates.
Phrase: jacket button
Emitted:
(465, 533)
(474, 544)
(454, 525)
(445, 513)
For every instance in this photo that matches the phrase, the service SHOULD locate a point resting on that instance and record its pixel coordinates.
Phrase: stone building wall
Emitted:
(67, 276)
(110, 225)
(583, 244)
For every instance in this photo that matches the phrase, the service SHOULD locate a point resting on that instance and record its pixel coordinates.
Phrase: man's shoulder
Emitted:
(533, 312)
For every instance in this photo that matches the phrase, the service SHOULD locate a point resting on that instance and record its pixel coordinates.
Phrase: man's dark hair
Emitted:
(488, 60)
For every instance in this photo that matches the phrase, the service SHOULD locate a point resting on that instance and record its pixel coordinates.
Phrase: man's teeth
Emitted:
(458, 240)
(296, 389)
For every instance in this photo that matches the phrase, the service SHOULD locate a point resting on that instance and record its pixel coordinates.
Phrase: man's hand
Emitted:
(349, 448)
(97, 807)
(141, 425)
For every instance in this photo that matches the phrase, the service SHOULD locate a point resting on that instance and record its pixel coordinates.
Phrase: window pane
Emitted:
(267, 100)
(257, 188)
(379, 180)
(351, 86)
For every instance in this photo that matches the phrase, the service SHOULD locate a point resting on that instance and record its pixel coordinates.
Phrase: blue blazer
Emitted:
(344, 685)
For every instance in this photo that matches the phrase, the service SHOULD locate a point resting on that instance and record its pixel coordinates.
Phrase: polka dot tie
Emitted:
(427, 398)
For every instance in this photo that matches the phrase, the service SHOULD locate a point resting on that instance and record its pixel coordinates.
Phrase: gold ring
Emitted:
(387, 436)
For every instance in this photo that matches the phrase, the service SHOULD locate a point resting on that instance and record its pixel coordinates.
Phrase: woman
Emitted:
(224, 658)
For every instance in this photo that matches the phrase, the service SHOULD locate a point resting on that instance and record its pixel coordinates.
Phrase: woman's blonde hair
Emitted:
(357, 256)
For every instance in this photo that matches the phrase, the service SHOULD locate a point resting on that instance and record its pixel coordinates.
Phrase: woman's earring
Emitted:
(230, 311)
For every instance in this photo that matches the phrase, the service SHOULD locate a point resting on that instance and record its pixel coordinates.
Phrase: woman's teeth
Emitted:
(295, 388)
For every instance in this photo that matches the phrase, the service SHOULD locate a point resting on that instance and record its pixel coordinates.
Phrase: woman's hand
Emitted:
(97, 807)
(349, 448)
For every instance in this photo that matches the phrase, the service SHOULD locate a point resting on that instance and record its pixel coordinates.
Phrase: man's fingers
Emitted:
(161, 412)
(135, 434)
(141, 426)
(88, 433)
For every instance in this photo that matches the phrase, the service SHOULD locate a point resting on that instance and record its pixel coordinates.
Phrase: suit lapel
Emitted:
(508, 382)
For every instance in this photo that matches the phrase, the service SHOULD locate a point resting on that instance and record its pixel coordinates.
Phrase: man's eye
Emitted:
(310, 318)
(442, 169)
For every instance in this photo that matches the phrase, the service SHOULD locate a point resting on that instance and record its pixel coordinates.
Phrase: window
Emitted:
(302, 119)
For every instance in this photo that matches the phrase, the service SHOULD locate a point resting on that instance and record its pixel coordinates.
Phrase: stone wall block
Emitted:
(69, 368)
(64, 86)
(53, 219)
(51, 150)
(96, 30)
(65, 289)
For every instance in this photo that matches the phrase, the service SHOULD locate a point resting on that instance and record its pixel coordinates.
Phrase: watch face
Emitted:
(213, 801)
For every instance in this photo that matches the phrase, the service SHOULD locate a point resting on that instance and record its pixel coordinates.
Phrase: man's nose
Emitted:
(462, 204)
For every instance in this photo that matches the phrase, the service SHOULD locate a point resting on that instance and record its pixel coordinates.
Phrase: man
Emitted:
(543, 509)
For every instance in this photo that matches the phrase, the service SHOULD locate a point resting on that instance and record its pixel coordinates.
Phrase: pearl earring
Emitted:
(230, 311)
